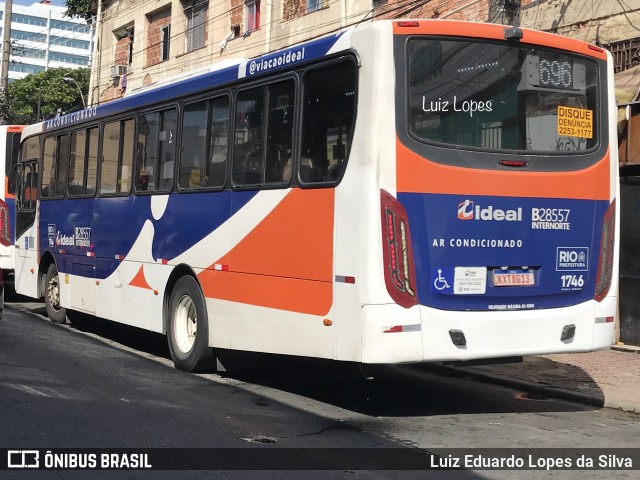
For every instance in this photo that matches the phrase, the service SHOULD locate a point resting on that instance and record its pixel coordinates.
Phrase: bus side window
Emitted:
(167, 149)
(110, 153)
(92, 162)
(194, 145)
(126, 165)
(217, 167)
(62, 162)
(77, 163)
(280, 132)
(30, 151)
(28, 191)
(264, 134)
(55, 165)
(156, 151)
(248, 154)
(147, 151)
(327, 121)
(49, 167)
(117, 157)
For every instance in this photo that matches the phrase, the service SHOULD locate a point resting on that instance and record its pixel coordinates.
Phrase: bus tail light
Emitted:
(5, 224)
(399, 271)
(605, 260)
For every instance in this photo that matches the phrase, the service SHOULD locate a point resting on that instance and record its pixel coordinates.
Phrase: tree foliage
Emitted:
(79, 9)
(42, 95)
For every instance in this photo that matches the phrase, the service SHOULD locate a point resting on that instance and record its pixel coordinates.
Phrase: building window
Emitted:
(313, 5)
(158, 37)
(124, 45)
(28, 36)
(29, 20)
(626, 54)
(25, 68)
(195, 14)
(71, 26)
(252, 15)
(69, 42)
(165, 35)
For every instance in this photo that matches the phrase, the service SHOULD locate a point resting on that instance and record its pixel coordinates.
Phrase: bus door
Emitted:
(26, 239)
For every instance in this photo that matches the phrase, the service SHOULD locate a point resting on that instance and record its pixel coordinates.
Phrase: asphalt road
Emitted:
(96, 384)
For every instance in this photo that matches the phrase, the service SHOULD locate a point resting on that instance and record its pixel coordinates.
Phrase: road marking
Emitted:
(43, 392)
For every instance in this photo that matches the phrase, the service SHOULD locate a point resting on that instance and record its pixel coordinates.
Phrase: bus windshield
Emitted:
(501, 97)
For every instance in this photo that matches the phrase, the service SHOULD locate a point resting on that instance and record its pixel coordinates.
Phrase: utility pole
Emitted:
(6, 55)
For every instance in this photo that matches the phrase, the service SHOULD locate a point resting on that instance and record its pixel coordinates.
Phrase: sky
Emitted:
(59, 3)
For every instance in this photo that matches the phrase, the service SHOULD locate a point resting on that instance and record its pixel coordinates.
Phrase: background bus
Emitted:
(403, 191)
(9, 149)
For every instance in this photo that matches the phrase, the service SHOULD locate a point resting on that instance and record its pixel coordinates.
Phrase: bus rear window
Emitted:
(501, 97)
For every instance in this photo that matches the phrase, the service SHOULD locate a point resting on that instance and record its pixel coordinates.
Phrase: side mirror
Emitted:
(12, 186)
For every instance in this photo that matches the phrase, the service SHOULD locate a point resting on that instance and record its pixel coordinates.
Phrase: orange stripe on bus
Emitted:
(416, 174)
(496, 32)
(286, 262)
(140, 280)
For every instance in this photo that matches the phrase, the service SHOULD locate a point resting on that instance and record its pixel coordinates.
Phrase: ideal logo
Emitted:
(64, 240)
(572, 259)
(467, 210)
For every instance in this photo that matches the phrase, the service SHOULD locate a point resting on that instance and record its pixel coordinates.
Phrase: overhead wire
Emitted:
(244, 46)
(400, 8)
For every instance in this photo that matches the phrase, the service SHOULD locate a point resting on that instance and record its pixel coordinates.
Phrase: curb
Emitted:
(535, 387)
(552, 392)
(626, 348)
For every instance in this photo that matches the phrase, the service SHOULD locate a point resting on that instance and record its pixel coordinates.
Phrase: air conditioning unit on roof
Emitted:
(118, 70)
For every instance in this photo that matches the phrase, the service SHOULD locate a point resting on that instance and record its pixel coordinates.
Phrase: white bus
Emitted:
(9, 148)
(398, 192)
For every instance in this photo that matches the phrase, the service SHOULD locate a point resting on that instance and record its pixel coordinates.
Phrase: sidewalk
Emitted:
(609, 378)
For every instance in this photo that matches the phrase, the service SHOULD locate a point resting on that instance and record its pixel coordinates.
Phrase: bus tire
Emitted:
(187, 328)
(56, 313)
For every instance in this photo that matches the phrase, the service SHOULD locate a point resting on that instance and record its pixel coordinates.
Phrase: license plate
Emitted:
(512, 278)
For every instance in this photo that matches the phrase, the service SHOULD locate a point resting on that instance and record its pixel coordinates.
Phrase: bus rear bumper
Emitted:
(392, 334)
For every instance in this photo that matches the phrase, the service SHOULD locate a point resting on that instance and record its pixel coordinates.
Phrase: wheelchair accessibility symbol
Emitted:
(440, 280)
(440, 283)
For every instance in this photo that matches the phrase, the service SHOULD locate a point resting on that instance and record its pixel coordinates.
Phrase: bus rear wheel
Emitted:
(56, 313)
(187, 329)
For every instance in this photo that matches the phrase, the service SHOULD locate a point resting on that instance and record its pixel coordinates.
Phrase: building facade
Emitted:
(141, 42)
(42, 38)
(613, 25)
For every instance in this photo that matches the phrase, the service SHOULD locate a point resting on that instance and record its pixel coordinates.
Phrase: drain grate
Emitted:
(260, 439)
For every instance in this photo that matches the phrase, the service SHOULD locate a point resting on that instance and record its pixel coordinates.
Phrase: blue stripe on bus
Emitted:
(116, 223)
(11, 205)
(442, 241)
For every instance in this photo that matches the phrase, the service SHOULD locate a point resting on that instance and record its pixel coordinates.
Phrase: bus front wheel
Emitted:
(187, 329)
(56, 313)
